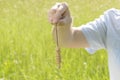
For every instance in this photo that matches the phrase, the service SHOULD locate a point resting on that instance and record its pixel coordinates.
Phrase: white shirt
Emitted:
(104, 32)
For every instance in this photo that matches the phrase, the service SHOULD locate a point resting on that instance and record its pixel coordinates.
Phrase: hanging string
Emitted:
(58, 55)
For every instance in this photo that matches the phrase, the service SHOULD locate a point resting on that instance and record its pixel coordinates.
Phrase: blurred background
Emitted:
(27, 50)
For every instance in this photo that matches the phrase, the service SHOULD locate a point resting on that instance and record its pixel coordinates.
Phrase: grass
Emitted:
(27, 50)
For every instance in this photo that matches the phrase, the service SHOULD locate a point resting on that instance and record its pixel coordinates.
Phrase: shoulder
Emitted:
(112, 11)
(111, 17)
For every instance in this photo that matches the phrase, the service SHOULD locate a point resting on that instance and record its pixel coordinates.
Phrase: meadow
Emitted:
(27, 50)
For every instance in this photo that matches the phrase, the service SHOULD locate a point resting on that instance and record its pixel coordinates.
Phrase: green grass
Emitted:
(27, 50)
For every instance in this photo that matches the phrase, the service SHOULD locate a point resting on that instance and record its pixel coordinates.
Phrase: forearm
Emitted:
(71, 37)
(64, 35)
(78, 38)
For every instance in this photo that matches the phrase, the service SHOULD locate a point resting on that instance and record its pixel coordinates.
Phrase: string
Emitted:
(58, 55)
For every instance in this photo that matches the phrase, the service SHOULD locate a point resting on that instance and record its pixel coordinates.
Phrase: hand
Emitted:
(59, 14)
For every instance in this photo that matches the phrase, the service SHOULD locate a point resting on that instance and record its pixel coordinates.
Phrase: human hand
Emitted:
(60, 14)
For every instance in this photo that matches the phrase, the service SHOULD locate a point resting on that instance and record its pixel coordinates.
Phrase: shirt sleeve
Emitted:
(95, 34)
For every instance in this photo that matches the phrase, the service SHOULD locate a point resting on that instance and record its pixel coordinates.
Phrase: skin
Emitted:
(70, 37)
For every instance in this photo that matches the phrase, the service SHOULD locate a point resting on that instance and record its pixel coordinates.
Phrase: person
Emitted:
(102, 33)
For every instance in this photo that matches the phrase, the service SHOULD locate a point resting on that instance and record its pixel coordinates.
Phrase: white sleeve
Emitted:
(95, 33)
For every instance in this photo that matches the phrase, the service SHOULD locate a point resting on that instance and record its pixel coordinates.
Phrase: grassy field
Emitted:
(27, 50)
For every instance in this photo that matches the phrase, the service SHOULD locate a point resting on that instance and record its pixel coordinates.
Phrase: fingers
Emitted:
(62, 8)
(66, 21)
(56, 12)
